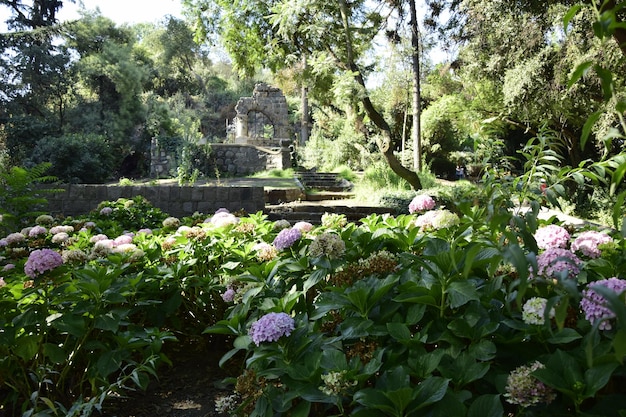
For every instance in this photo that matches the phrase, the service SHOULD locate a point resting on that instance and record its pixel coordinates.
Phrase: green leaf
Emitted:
(597, 377)
(573, 11)
(399, 331)
(591, 120)
(579, 72)
(617, 177)
(619, 345)
(301, 410)
(70, 323)
(461, 293)
(55, 353)
(488, 405)
(375, 399)
(564, 336)
(27, 346)
(429, 391)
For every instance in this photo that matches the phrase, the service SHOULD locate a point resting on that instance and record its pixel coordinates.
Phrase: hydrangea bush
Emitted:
(471, 313)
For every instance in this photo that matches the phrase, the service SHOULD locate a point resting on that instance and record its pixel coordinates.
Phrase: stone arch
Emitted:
(262, 119)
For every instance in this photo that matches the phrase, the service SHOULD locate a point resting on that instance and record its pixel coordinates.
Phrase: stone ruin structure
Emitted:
(263, 119)
(262, 139)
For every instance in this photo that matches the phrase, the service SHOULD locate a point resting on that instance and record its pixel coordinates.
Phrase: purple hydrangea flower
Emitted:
(421, 203)
(286, 238)
(271, 327)
(229, 295)
(595, 305)
(37, 230)
(8, 267)
(105, 211)
(40, 261)
(554, 261)
(15, 238)
(552, 236)
(3, 243)
(587, 243)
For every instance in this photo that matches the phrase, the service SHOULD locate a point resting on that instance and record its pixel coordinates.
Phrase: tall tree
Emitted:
(34, 72)
(335, 36)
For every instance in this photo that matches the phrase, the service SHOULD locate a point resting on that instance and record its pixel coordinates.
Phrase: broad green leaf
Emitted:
(27, 346)
(429, 391)
(375, 399)
(488, 405)
(55, 353)
(399, 331)
(461, 293)
(564, 336)
(597, 377)
(70, 323)
(619, 345)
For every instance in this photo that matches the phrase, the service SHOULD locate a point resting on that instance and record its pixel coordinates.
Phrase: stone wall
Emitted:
(241, 160)
(226, 159)
(179, 201)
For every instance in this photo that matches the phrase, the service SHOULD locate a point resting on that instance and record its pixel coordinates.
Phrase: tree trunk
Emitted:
(304, 122)
(386, 144)
(417, 102)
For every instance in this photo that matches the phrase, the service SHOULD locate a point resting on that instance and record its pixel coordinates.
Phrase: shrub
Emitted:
(78, 158)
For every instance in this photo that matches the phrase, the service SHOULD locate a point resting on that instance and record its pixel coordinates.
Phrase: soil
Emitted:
(188, 388)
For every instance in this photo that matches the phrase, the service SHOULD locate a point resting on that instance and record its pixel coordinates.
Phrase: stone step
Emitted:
(313, 212)
(328, 181)
(329, 195)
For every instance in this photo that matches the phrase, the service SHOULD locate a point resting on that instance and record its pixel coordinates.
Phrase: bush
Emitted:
(466, 314)
(78, 158)
(20, 198)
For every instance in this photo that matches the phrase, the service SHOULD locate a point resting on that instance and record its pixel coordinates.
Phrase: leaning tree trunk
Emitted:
(417, 100)
(386, 144)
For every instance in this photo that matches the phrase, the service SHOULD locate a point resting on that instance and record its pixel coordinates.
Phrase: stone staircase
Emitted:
(324, 192)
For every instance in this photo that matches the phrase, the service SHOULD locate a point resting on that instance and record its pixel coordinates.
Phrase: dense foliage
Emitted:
(468, 309)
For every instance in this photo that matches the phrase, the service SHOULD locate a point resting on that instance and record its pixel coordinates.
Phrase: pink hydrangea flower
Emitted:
(587, 243)
(2, 282)
(98, 238)
(122, 240)
(595, 306)
(40, 261)
(552, 236)
(421, 203)
(265, 251)
(222, 218)
(554, 261)
(271, 327)
(303, 226)
(61, 229)
(60, 237)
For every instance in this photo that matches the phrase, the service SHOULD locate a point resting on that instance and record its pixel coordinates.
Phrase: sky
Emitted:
(125, 11)
(120, 11)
